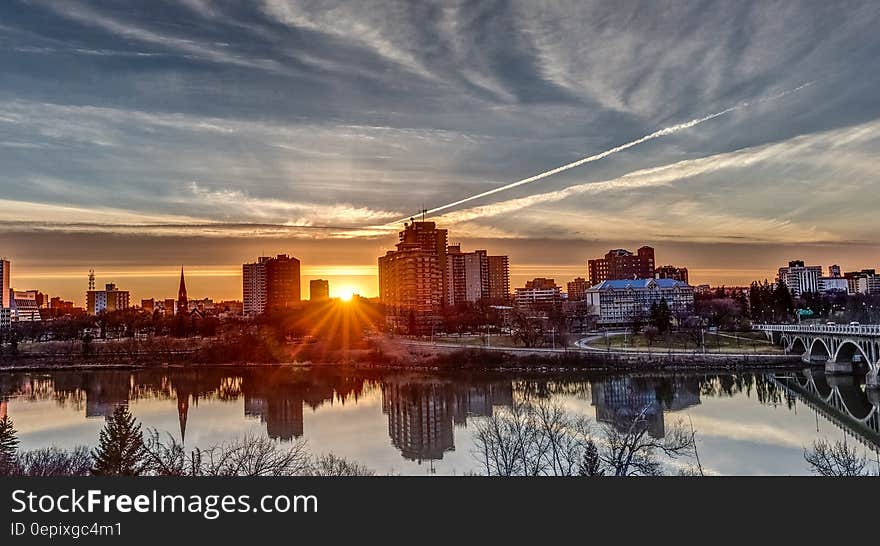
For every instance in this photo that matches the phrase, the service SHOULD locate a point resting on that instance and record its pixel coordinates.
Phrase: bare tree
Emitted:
(168, 459)
(254, 456)
(53, 461)
(332, 465)
(531, 439)
(837, 459)
(543, 439)
(632, 451)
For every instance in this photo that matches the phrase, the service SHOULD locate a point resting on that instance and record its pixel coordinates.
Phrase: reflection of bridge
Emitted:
(839, 399)
(840, 349)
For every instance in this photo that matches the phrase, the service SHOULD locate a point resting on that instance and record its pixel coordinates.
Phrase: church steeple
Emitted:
(182, 302)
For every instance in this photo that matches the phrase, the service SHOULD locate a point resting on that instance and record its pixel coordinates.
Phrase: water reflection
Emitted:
(841, 400)
(423, 412)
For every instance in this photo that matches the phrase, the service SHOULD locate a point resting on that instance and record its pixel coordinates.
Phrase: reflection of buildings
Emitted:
(106, 391)
(281, 408)
(620, 400)
(421, 413)
(419, 419)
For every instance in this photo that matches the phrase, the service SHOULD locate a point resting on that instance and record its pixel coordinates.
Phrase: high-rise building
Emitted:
(620, 263)
(834, 271)
(109, 299)
(577, 289)
(282, 282)
(800, 278)
(672, 272)
(148, 305)
(467, 275)
(413, 277)
(5, 302)
(319, 290)
(499, 278)
(270, 283)
(182, 300)
(254, 287)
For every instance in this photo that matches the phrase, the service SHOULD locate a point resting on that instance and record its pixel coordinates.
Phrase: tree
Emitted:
(53, 461)
(592, 463)
(632, 451)
(838, 459)
(8, 446)
(121, 450)
(660, 316)
(527, 330)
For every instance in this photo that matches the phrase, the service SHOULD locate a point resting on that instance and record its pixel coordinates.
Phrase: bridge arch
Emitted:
(819, 351)
(798, 346)
(850, 351)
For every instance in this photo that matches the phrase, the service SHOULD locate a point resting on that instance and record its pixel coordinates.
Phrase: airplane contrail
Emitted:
(601, 155)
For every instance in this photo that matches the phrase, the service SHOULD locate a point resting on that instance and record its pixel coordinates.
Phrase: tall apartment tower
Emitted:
(270, 283)
(282, 282)
(467, 275)
(253, 277)
(413, 277)
(5, 302)
(621, 264)
(319, 290)
(499, 278)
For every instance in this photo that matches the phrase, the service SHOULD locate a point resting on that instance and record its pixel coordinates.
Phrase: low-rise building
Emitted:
(622, 302)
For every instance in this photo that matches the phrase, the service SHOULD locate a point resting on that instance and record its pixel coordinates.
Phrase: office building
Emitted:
(800, 278)
(110, 299)
(25, 306)
(622, 264)
(857, 281)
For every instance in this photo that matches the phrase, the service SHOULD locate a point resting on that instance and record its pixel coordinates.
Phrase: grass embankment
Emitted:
(480, 341)
(721, 342)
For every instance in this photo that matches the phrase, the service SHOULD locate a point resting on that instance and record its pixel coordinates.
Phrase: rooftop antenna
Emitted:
(91, 279)
(424, 211)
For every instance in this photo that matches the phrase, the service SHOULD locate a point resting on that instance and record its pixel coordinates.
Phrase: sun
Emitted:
(346, 293)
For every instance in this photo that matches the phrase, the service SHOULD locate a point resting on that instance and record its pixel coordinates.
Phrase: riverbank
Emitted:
(402, 354)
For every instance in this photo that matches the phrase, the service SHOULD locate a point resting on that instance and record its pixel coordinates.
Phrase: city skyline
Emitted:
(223, 281)
(133, 144)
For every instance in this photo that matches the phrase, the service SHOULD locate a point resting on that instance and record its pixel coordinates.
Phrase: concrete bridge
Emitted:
(839, 349)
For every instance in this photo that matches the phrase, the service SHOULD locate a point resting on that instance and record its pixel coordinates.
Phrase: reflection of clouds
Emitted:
(745, 431)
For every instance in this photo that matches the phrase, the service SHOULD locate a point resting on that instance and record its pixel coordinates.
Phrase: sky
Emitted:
(138, 137)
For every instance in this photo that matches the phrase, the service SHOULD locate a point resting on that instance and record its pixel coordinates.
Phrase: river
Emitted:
(417, 423)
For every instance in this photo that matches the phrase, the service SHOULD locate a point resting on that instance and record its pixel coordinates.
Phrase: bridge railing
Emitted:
(846, 329)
